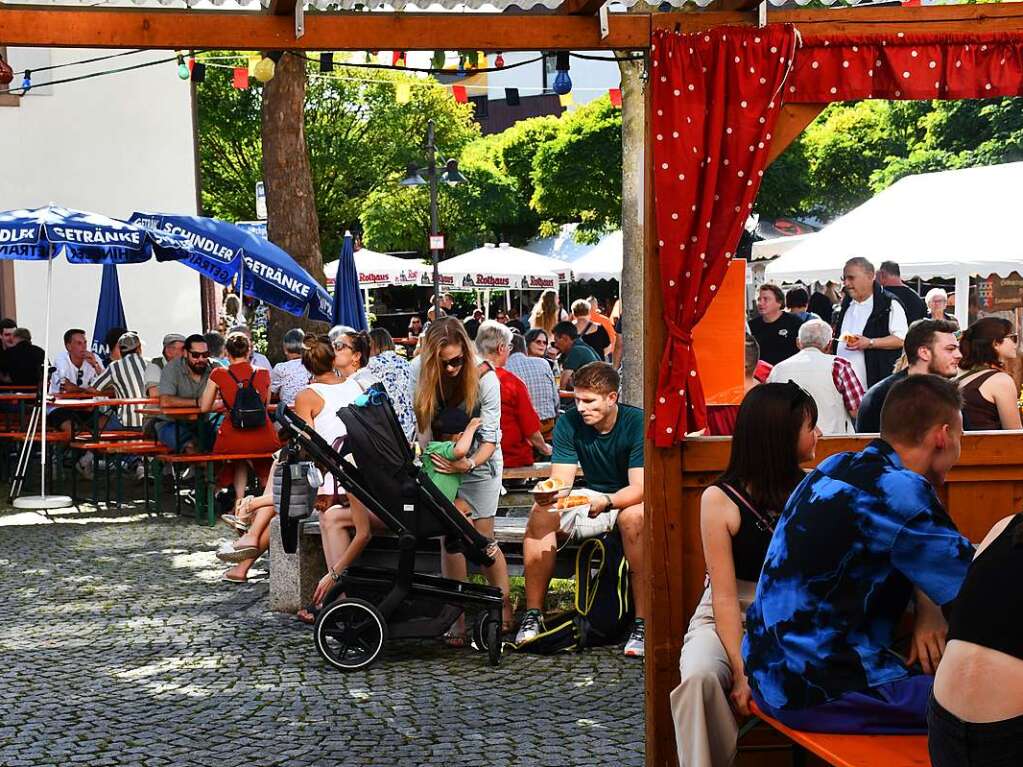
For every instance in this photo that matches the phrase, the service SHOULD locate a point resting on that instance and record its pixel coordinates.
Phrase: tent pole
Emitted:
(45, 386)
(507, 300)
(963, 298)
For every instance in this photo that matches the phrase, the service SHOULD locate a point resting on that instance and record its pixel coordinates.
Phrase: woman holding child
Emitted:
(446, 376)
(775, 432)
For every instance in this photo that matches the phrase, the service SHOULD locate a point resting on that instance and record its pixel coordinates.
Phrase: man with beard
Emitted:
(931, 347)
(182, 382)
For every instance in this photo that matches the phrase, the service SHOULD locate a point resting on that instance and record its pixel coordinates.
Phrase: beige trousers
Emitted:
(705, 727)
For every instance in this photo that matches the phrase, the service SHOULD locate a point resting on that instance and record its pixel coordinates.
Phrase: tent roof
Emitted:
(765, 250)
(603, 262)
(369, 262)
(933, 225)
(506, 261)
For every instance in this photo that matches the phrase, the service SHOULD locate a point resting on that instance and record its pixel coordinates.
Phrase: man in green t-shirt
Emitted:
(606, 440)
(575, 353)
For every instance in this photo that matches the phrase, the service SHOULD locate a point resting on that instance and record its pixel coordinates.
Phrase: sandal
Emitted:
(232, 521)
(308, 614)
(241, 509)
(233, 555)
(456, 640)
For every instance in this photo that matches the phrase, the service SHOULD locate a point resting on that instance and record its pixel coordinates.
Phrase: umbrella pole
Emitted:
(45, 387)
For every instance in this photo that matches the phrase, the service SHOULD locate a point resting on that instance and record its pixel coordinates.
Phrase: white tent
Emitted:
(604, 262)
(955, 223)
(504, 267)
(562, 246)
(765, 250)
(377, 270)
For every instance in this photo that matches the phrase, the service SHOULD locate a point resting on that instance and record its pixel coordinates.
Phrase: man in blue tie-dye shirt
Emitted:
(858, 537)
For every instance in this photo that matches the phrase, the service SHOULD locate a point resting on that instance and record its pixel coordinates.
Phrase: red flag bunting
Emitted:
(616, 97)
(459, 92)
(241, 78)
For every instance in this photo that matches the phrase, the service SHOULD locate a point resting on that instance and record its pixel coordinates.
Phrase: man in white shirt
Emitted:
(830, 380)
(75, 370)
(871, 324)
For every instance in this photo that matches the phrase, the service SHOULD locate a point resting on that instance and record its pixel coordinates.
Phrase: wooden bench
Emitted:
(533, 471)
(205, 489)
(853, 750)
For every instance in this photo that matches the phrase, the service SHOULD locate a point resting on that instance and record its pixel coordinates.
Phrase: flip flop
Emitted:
(308, 614)
(456, 641)
(234, 555)
(234, 523)
(229, 579)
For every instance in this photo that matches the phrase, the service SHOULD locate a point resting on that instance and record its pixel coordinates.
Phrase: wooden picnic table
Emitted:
(12, 397)
(97, 402)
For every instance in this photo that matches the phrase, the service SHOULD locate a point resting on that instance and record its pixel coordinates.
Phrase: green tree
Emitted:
(577, 175)
(358, 138)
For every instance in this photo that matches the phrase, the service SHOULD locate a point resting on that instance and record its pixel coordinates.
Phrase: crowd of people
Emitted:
(882, 331)
(472, 397)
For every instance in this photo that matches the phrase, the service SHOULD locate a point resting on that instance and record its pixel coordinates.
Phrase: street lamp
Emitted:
(450, 176)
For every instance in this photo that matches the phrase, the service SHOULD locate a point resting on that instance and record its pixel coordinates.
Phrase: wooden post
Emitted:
(662, 498)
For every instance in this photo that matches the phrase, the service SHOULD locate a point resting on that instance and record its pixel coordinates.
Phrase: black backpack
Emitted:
(603, 611)
(248, 410)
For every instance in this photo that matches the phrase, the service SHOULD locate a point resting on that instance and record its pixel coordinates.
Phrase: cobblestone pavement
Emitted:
(120, 645)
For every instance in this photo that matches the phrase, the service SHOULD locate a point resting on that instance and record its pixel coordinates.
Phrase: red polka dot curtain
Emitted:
(716, 97)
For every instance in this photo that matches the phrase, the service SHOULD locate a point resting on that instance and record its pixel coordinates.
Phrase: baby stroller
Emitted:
(371, 604)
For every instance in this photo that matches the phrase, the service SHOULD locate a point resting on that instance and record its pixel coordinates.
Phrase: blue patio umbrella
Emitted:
(41, 234)
(221, 251)
(109, 311)
(348, 307)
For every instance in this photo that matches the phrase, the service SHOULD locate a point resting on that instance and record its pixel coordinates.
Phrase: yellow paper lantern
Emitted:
(403, 93)
(264, 70)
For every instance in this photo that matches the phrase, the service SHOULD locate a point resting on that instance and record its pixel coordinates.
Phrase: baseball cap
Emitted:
(128, 342)
(173, 338)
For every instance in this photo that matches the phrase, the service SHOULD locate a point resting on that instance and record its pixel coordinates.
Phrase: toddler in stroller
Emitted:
(368, 605)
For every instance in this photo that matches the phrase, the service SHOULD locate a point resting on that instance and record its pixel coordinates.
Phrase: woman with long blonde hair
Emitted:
(547, 312)
(445, 375)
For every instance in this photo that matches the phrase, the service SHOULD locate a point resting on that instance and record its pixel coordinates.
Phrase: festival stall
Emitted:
(956, 223)
(603, 262)
(379, 270)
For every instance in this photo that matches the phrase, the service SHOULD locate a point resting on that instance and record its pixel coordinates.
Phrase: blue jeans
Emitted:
(177, 434)
(896, 708)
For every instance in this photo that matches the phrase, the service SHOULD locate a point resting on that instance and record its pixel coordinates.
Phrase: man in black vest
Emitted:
(871, 324)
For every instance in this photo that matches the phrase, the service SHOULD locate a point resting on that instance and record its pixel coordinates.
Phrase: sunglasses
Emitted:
(1014, 337)
(342, 345)
(199, 355)
(455, 362)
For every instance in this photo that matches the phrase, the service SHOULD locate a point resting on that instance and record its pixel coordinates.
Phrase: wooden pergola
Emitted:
(573, 26)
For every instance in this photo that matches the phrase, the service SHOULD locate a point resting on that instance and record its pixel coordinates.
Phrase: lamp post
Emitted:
(450, 176)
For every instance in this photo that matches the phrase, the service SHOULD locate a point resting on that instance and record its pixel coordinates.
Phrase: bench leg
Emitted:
(211, 494)
(156, 465)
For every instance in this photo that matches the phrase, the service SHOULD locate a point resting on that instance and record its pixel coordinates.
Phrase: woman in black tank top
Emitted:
(976, 711)
(775, 432)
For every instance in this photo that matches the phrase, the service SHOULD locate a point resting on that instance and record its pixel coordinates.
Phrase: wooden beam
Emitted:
(165, 29)
(1000, 17)
(791, 122)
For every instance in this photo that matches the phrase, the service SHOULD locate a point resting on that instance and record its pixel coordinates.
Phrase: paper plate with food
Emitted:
(545, 487)
(576, 502)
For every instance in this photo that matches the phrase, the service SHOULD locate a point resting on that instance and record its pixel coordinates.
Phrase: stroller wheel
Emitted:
(350, 634)
(486, 635)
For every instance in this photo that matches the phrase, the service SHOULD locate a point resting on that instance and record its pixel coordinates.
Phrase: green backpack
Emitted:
(603, 611)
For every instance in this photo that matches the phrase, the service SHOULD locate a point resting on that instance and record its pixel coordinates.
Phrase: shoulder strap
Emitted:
(234, 377)
(740, 499)
(484, 368)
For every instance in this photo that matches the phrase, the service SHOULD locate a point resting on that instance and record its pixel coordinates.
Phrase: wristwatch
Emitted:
(335, 576)
(472, 463)
(610, 503)
(870, 343)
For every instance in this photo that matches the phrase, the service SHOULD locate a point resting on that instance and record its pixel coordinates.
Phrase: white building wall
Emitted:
(113, 144)
(590, 79)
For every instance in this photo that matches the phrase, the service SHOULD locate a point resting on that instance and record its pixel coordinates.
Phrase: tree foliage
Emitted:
(577, 176)
(359, 140)
(853, 151)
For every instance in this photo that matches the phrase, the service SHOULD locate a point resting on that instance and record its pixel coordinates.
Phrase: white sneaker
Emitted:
(531, 626)
(635, 647)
